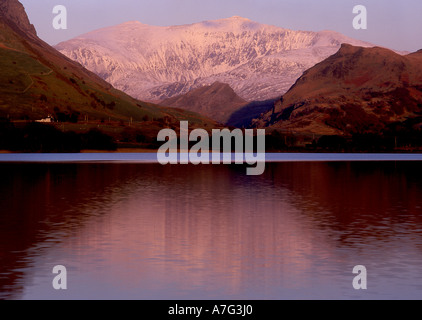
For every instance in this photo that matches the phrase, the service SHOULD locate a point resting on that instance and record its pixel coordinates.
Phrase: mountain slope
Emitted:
(217, 101)
(154, 63)
(14, 12)
(355, 91)
(40, 81)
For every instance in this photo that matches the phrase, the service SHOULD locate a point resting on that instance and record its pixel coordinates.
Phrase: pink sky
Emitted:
(392, 24)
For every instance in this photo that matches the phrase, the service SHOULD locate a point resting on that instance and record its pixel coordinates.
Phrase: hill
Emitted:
(217, 101)
(355, 91)
(40, 81)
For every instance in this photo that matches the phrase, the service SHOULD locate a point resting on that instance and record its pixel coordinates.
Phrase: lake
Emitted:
(147, 231)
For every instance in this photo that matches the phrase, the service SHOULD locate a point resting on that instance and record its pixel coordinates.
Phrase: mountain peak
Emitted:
(153, 63)
(238, 18)
(346, 48)
(218, 84)
(14, 12)
(233, 23)
(133, 23)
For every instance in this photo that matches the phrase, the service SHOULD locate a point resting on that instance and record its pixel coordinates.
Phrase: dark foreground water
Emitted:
(146, 231)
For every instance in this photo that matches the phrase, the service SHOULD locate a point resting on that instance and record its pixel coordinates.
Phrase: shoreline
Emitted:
(151, 157)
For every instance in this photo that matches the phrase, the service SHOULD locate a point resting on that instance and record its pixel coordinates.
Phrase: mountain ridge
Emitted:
(355, 91)
(154, 63)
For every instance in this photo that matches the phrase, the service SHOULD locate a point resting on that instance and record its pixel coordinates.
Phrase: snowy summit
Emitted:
(154, 63)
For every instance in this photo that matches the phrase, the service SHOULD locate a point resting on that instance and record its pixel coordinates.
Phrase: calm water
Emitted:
(146, 231)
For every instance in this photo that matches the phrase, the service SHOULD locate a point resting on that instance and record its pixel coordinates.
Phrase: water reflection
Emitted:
(180, 232)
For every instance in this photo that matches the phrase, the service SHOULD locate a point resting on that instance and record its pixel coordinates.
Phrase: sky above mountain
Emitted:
(391, 23)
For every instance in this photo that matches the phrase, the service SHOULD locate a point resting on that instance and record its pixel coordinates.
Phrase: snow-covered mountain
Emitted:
(154, 63)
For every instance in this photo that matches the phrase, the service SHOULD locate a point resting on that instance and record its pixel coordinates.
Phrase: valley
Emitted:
(311, 91)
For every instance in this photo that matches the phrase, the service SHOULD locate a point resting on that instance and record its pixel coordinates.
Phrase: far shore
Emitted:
(122, 150)
(293, 151)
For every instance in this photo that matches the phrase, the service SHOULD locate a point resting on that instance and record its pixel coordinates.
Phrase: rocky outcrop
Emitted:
(14, 12)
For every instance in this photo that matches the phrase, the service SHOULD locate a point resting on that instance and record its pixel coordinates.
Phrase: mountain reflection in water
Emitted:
(146, 231)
